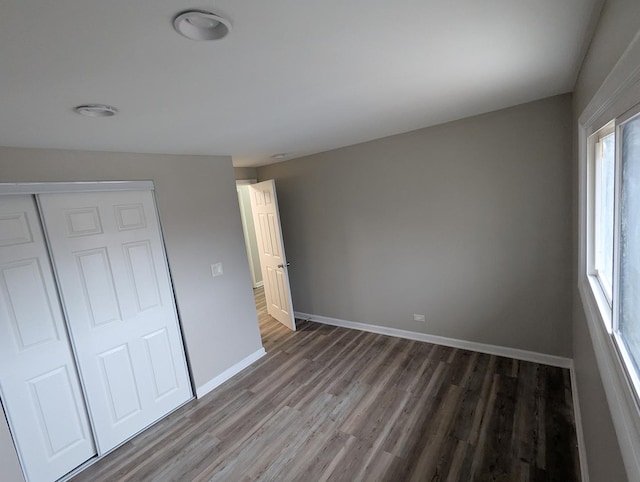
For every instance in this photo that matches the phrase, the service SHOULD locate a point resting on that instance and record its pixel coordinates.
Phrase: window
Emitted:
(604, 172)
(628, 325)
(608, 274)
(614, 243)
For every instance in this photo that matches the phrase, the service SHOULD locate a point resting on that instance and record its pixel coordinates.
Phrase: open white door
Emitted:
(40, 388)
(273, 261)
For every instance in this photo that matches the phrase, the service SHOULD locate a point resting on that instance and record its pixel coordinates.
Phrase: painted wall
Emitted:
(618, 24)
(9, 464)
(254, 260)
(198, 207)
(245, 173)
(468, 223)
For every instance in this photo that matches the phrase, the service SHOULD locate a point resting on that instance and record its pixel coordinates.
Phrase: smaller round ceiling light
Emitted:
(200, 25)
(96, 110)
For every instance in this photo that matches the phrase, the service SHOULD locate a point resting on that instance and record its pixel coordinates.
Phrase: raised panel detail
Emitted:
(120, 383)
(59, 412)
(273, 232)
(98, 286)
(130, 216)
(28, 303)
(161, 362)
(267, 198)
(142, 272)
(264, 233)
(281, 292)
(83, 221)
(274, 298)
(259, 195)
(14, 229)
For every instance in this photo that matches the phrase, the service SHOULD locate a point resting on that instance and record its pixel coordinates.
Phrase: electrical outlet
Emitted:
(216, 269)
(417, 317)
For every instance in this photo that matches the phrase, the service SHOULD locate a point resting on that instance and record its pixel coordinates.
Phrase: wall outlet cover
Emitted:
(417, 317)
(216, 269)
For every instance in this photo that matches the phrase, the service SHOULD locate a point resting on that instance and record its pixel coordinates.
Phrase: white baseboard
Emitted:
(229, 372)
(525, 355)
(582, 450)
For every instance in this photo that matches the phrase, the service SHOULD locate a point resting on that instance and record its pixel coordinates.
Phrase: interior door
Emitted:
(114, 282)
(39, 385)
(273, 260)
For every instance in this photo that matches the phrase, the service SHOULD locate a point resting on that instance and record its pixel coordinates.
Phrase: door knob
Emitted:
(282, 265)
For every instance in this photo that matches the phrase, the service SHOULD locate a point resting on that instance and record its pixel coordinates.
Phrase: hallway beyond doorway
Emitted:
(271, 330)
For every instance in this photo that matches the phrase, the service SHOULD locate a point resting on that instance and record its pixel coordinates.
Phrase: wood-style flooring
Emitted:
(330, 403)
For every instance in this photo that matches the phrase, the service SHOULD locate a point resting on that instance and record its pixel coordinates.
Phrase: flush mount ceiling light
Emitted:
(200, 25)
(96, 110)
(282, 155)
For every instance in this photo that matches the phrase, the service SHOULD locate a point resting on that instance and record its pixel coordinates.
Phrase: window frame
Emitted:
(609, 304)
(595, 140)
(619, 93)
(627, 362)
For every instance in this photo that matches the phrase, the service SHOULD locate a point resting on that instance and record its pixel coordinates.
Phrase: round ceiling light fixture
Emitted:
(201, 25)
(96, 110)
(282, 155)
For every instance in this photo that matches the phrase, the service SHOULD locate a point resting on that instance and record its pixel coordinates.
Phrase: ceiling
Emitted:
(293, 76)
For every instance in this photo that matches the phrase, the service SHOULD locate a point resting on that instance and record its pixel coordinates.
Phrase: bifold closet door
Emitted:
(113, 277)
(39, 385)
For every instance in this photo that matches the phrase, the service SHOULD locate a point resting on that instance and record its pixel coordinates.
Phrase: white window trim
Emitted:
(619, 92)
(596, 145)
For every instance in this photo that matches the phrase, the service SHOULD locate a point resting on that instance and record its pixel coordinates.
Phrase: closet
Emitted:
(90, 345)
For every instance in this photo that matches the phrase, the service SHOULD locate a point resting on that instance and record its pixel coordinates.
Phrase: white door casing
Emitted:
(249, 240)
(39, 385)
(273, 261)
(113, 277)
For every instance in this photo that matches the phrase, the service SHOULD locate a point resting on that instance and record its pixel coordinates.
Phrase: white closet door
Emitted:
(109, 258)
(38, 379)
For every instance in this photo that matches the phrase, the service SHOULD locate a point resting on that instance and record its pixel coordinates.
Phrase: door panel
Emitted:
(142, 274)
(29, 309)
(120, 382)
(159, 353)
(273, 261)
(52, 393)
(114, 281)
(98, 286)
(38, 380)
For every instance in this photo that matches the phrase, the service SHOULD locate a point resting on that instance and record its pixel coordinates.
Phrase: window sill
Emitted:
(602, 302)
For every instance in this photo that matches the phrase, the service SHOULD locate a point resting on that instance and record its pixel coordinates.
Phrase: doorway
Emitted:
(248, 228)
(264, 246)
(251, 245)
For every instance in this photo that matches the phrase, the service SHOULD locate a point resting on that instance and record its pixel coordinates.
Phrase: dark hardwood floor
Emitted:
(330, 403)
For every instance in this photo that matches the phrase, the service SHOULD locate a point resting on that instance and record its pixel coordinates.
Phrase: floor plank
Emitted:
(328, 403)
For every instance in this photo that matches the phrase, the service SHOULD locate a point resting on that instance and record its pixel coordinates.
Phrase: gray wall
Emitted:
(9, 464)
(198, 207)
(245, 173)
(468, 223)
(618, 24)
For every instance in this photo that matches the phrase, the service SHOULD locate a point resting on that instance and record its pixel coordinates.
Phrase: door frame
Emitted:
(35, 188)
(245, 232)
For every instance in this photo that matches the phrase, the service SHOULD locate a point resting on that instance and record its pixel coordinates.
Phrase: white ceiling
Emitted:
(293, 76)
